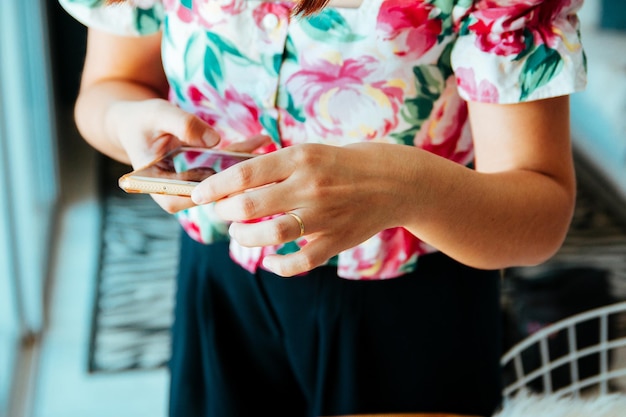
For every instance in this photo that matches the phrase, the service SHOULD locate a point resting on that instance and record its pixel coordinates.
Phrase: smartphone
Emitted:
(179, 171)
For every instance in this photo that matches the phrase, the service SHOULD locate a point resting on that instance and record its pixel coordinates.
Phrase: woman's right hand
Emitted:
(148, 129)
(122, 112)
(151, 128)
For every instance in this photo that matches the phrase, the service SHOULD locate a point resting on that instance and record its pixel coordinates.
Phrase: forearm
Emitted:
(96, 109)
(495, 220)
(488, 221)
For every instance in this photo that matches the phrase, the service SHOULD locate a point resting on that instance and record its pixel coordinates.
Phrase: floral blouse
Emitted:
(394, 71)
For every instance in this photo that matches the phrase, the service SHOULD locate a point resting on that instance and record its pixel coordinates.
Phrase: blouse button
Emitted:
(270, 21)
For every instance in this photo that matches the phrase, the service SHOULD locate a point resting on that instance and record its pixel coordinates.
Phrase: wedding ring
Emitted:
(299, 220)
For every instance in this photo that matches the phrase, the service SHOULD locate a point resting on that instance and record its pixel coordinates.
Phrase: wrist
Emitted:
(396, 176)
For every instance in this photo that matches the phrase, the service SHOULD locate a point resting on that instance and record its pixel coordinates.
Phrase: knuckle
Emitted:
(189, 126)
(306, 262)
(281, 232)
(306, 154)
(243, 175)
(248, 207)
(319, 187)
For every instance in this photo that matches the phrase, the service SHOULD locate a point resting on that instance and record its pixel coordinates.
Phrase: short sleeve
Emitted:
(129, 18)
(510, 51)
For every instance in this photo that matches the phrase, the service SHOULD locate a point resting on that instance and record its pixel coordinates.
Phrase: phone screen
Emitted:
(180, 170)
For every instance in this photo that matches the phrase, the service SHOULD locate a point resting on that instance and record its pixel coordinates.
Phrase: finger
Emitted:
(172, 204)
(281, 229)
(313, 254)
(249, 145)
(187, 127)
(258, 203)
(255, 172)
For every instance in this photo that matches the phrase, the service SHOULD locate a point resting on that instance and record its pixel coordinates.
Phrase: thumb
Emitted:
(188, 128)
(249, 145)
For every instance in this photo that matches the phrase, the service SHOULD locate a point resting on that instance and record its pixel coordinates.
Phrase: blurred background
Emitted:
(86, 272)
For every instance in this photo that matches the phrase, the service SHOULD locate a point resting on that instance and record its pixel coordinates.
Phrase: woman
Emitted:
(410, 150)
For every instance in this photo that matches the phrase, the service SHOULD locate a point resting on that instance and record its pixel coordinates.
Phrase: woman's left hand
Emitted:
(341, 195)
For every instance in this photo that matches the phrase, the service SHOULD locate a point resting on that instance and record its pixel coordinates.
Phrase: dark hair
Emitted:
(303, 7)
(309, 7)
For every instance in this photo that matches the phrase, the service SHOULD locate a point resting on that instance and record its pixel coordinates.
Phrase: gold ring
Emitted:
(299, 220)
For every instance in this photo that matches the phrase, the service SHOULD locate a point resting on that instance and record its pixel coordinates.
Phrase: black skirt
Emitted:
(318, 345)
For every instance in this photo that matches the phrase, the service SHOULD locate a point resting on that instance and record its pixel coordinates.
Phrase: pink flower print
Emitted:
(386, 255)
(189, 226)
(505, 27)
(207, 13)
(399, 248)
(176, 7)
(248, 258)
(211, 13)
(291, 130)
(484, 92)
(511, 42)
(410, 24)
(271, 19)
(446, 132)
(350, 100)
(235, 115)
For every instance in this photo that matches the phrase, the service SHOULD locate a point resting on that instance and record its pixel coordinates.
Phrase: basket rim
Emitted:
(560, 325)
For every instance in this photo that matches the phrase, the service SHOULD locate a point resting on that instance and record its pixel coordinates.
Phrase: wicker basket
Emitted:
(596, 368)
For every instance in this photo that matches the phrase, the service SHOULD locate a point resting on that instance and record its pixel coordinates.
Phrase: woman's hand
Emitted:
(149, 129)
(339, 193)
(513, 210)
(121, 108)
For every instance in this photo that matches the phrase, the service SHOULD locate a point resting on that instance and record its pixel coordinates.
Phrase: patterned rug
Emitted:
(134, 300)
(136, 280)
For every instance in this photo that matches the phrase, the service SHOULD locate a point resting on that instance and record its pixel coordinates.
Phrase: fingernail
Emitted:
(197, 197)
(210, 138)
(267, 264)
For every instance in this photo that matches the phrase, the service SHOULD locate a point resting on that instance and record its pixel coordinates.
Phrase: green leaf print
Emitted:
(287, 248)
(329, 26)
(420, 108)
(212, 69)
(225, 47)
(216, 50)
(194, 54)
(148, 20)
(186, 3)
(444, 13)
(177, 90)
(464, 3)
(406, 137)
(529, 42)
(445, 5)
(167, 34)
(290, 51)
(465, 24)
(270, 124)
(272, 63)
(540, 67)
(294, 111)
(445, 61)
(408, 265)
(429, 82)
